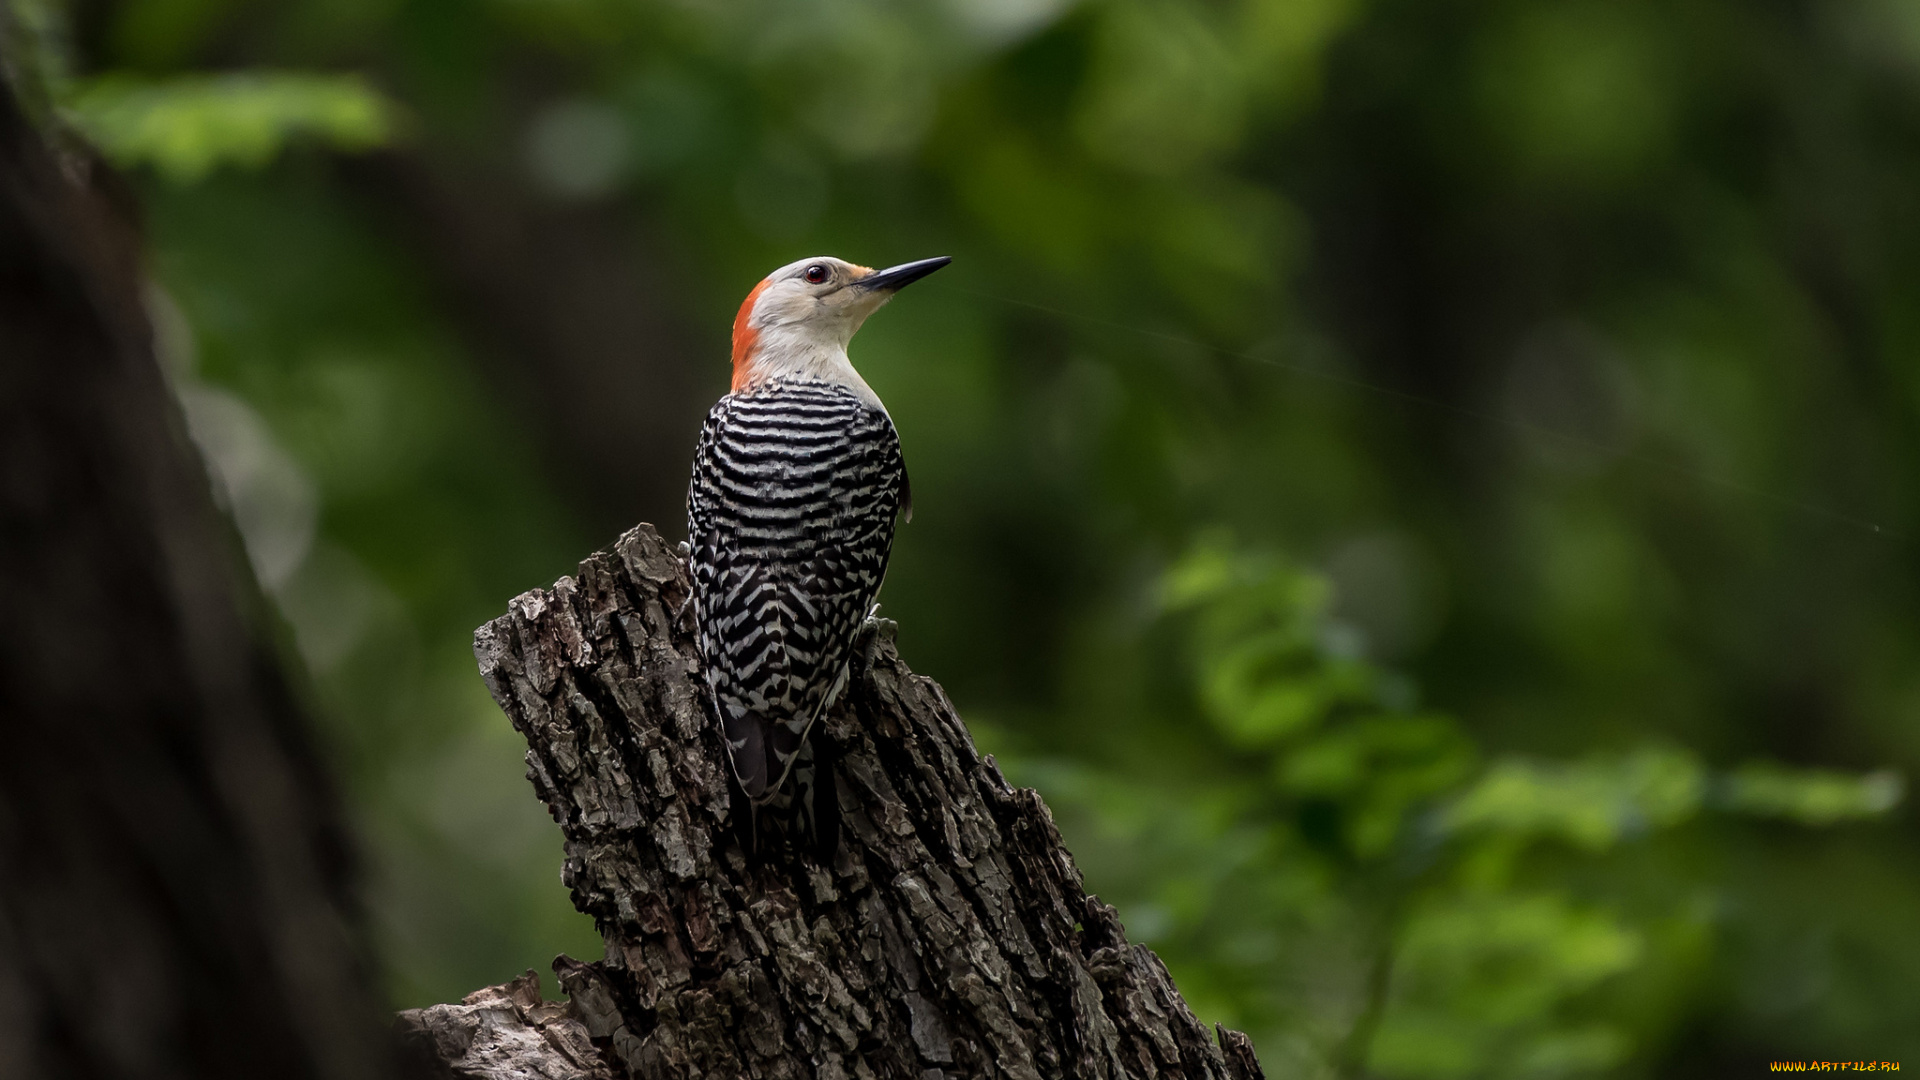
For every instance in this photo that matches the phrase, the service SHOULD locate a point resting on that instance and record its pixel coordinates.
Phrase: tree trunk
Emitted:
(949, 935)
(174, 881)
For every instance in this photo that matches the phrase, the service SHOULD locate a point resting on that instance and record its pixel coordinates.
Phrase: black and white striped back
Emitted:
(796, 484)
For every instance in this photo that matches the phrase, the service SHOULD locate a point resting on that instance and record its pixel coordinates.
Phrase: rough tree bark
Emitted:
(175, 895)
(949, 936)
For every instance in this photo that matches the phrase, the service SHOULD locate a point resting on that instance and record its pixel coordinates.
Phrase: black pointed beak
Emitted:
(899, 277)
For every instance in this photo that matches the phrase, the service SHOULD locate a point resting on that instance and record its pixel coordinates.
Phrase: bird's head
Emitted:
(806, 312)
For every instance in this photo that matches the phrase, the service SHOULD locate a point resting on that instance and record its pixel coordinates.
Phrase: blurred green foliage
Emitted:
(185, 127)
(1372, 837)
(1574, 345)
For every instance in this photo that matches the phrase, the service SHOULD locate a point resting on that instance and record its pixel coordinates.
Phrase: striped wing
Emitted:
(790, 520)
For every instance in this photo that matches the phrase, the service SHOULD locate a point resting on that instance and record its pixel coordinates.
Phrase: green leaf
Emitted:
(1203, 573)
(186, 127)
(1592, 803)
(1482, 979)
(1379, 767)
(1809, 796)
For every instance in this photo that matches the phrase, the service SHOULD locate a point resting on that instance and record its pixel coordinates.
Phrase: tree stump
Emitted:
(948, 936)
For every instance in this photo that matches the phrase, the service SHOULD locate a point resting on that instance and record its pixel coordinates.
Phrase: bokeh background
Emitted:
(1425, 489)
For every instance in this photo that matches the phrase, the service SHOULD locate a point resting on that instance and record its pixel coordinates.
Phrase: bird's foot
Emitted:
(875, 629)
(873, 633)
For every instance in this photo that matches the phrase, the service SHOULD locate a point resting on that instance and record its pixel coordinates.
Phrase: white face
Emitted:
(817, 298)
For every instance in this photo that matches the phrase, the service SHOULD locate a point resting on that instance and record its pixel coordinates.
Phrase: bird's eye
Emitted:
(817, 273)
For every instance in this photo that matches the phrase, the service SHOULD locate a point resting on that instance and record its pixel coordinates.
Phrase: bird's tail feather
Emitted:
(804, 811)
(747, 750)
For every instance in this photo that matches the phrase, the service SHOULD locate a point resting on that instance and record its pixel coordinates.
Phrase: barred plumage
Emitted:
(796, 484)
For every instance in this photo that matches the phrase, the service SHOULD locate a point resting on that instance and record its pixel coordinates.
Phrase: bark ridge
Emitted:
(949, 936)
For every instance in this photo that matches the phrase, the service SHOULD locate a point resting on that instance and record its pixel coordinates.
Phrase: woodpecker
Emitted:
(797, 482)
